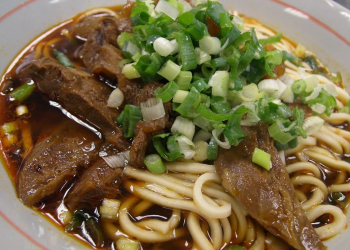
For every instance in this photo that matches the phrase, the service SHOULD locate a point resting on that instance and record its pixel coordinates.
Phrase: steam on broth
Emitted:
(122, 172)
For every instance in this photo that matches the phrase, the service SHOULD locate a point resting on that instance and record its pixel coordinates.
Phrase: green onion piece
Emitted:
(150, 46)
(262, 158)
(130, 71)
(208, 69)
(209, 115)
(276, 131)
(200, 85)
(214, 10)
(233, 130)
(132, 115)
(210, 44)
(22, 92)
(212, 151)
(201, 56)
(139, 14)
(180, 96)
(225, 23)
(123, 37)
(197, 30)
(299, 86)
(192, 100)
(94, 231)
(78, 218)
(219, 83)
(232, 57)
(273, 57)
(173, 152)
(140, 33)
(219, 62)
(62, 58)
(298, 117)
(120, 118)
(219, 105)
(186, 49)
(311, 60)
(167, 92)
(169, 70)
(293, 59)
(183, 126)
(184, 79)
(130, 49)
(154, 164)
(272, 39)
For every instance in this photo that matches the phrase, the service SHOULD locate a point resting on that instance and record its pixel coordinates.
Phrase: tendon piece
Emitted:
(268, 196)
(55, 161)
(100, 54)
(98, 182)
(83, 97)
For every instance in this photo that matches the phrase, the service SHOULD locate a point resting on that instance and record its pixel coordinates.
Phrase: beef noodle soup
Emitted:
(171, 126)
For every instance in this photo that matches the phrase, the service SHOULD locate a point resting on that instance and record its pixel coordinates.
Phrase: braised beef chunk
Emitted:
(268, 196)
(82, 96)
(100, 54)
(98, 182)
(55, 161)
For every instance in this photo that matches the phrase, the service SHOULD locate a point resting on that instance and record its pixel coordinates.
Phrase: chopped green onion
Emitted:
(210, 44)
(173, 152)
(233, 130)
(132, 115)
(120, 118)
(201, 151)
(262, 158)
(124, 37)
(186, 147)
(209, 115)
(167, 8)
(62, 58)
(170, 70)
(278, 133)
(115, 99)
(22, 92)
(299, 86)
(154, 164)
(163, 46)
(130, 49)
(167, 92)
(186, 49)
(272, 39)
(184, 79)
(183, 126)
(201, 56)
(212, 151)
(152, 109)
(312, 124)
(130, 71)
(180, 96)
(192, 100)
(219, 83)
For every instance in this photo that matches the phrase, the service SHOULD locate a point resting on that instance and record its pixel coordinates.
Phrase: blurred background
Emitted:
(345, 3)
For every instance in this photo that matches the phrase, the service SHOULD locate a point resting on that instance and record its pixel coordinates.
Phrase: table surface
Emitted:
(345, 3)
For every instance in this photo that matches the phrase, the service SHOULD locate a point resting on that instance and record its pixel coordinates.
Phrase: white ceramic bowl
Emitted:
(321, 25)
